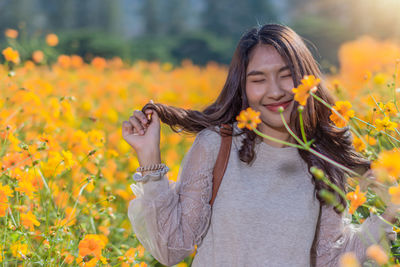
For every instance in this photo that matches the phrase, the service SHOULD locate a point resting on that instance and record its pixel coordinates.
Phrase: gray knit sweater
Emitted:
(265, 214)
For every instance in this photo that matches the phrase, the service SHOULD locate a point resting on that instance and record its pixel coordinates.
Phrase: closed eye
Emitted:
(259, 81)
(286, 76)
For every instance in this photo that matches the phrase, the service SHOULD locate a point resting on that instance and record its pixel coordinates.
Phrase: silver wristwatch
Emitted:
(154, 175)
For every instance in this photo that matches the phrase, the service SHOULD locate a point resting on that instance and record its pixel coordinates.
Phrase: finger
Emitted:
(154, 114)
(140, 115)
(149, 114)
(126, 128)
(136, 124)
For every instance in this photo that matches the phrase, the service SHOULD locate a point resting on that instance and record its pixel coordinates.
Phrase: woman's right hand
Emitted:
(142, 133)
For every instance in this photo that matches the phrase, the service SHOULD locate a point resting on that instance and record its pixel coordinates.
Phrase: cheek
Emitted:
(254, 92)
(287, 85)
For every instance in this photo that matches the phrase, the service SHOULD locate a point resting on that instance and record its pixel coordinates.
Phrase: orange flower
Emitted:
(344, 109)
(376, 253)
(99, 63)
(11, 33)
(356, 198)
(385, 124)
(349, 259)
(5, 193)
(11, 55)
(64, 61)
(248, 118)
(69, 258)
(76, 61)
(302, 92)
(91, 245)
(37, 56)
(28, 220)
(52, 39)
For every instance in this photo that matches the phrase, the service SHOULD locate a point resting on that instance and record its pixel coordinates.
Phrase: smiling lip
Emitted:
(274, 107)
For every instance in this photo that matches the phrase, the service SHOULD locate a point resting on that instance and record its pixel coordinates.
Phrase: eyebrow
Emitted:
(257, 72)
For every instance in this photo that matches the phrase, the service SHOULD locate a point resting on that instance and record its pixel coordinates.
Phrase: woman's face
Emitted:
(269, 85)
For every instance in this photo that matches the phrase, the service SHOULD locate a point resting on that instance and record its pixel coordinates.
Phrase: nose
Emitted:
(274, 91)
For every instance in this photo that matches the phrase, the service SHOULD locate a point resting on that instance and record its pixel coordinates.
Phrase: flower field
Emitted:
(66, 170)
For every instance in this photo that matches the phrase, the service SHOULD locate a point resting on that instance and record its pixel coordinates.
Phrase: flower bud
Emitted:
(318, 173)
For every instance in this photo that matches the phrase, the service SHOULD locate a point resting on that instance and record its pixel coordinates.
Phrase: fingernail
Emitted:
(141, 132)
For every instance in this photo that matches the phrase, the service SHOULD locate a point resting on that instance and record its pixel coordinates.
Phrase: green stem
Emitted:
(340, 116)
(275, 139)
(302, 125)
(315, 152)
(291, 132)
(369, 124)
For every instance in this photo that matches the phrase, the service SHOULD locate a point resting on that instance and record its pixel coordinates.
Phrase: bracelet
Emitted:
(152, 167)
(153, 176)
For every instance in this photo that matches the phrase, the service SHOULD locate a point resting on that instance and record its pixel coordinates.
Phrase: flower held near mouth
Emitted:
(248, 118)
(302, 92)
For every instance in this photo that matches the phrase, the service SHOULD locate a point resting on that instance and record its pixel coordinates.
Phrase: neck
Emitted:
(278, 133)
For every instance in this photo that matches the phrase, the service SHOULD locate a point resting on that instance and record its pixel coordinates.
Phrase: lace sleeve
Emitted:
(337, 235)
(170, 218)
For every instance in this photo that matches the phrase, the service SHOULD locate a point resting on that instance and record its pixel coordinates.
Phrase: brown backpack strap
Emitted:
(222, 159)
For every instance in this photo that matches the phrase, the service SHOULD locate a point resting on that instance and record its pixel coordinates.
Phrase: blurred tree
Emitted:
(66, 13)
(233, 17)
(176, 11)
(150, 15)
(111, 16)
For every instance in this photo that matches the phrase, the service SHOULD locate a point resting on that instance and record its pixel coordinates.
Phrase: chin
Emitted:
(275, 122)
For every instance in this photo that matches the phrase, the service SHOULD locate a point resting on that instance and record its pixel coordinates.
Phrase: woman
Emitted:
(268, 211)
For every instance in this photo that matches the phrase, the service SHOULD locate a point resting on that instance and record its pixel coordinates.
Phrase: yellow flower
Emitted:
(376, 253)
(394, 192)
(19, 250)
(11, 33)
(356, 198)
(11, 55)
(248, 118)
(68, 159)
(344, 109)
(26, 186)
(386, 165)
(379, 79)
(349, 259)
(302, 92)
(52, 39)
(28, 220)
(385, 124)
(129, 256)
(358, 144)
(388, 108)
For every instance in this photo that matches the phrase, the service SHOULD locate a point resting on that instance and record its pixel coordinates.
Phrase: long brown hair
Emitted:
(336, 143)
